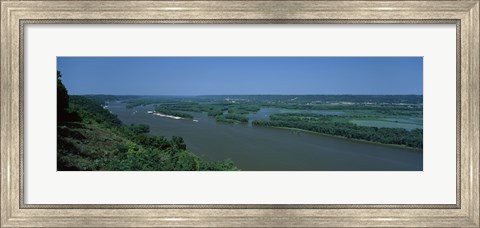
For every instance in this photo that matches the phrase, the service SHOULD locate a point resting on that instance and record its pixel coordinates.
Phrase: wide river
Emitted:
(261, 148)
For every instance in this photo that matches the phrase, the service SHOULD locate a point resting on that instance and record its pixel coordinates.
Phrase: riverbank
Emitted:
(341, 137)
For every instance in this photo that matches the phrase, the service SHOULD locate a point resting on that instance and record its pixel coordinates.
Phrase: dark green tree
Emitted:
(139, 128)
(62, 100)
(178, 143)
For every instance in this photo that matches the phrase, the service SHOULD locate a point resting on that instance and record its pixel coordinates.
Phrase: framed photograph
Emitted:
(240, 113)
(259, 113)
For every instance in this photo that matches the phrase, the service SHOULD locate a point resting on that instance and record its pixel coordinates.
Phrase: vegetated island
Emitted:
(89, 137)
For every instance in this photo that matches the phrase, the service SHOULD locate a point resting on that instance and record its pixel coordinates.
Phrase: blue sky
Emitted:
(241, 75)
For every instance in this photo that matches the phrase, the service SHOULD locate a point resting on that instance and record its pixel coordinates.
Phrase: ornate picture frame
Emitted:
(16, 14)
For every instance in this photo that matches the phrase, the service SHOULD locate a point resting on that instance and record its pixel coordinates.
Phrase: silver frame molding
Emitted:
(16, 14)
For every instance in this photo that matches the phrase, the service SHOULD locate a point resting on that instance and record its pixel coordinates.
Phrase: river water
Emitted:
(268, 149)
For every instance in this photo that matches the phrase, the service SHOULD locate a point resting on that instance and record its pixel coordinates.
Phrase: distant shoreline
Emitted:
(341, 137)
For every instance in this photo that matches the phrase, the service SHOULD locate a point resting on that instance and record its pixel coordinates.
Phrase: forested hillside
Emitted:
(89, 137)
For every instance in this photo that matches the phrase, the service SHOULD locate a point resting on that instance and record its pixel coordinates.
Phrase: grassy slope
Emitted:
(87, 146)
